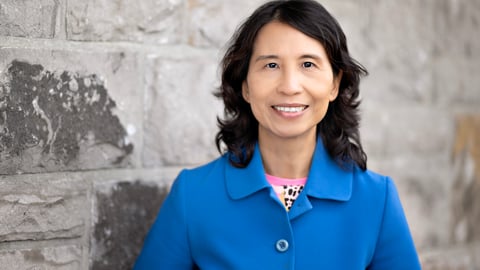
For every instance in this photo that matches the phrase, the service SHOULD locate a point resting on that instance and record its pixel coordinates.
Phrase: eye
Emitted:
(272, 65)
(308, 64)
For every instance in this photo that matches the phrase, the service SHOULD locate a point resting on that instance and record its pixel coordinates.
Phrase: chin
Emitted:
(293, 135)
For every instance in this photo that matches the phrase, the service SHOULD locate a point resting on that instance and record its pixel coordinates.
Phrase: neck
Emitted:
(287, 158)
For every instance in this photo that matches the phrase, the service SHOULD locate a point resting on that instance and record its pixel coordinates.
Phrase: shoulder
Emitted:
(390, 224)
(369, 175)
(204, 171)
(201, 178)
(374, 188)
(371, 180)
(379, 194)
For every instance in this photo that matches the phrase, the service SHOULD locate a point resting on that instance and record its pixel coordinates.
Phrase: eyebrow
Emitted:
(312, 56)
(273, 56)
(263, 57)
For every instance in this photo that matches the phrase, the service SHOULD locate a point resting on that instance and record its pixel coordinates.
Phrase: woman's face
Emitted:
(290, 82)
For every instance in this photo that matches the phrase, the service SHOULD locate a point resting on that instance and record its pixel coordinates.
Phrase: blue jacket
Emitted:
(221, 217)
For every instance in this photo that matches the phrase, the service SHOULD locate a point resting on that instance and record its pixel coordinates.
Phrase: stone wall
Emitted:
(102, 102)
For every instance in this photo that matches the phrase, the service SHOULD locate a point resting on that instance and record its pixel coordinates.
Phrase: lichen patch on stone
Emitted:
(51, 120)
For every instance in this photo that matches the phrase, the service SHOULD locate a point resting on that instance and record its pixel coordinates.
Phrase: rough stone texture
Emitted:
(391, 135)
(124, 213)
(150, 21)
(36, 210)
(180, 124)
(457, 50)
(28, 18)
(455, 258)
(48, 258)
(465, 205)
(396, 47)
(53, 118)
(211, 23)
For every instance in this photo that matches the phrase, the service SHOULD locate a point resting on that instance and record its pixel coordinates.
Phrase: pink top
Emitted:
(287, 189)
(279, 181)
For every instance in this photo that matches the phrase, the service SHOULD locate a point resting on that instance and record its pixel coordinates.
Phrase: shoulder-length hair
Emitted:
(338, 129)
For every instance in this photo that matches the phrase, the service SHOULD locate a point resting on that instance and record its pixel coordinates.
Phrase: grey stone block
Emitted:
(68, 110)
(29, 18)
(398, 52)
(457, 50)
(210, 23)
(52, 258)
(40, 209)
(125, 212)
(453, 258)
(425, 59)
(159, 22)
(465, 202)
(180, 123)
(406, 131)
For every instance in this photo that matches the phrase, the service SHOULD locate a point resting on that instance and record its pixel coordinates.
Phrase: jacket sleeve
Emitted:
(166, 246)
(395, 249)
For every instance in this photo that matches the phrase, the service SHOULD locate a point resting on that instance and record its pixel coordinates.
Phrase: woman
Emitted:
(292, 190)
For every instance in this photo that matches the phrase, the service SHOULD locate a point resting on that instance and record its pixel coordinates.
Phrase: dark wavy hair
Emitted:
(338, 129)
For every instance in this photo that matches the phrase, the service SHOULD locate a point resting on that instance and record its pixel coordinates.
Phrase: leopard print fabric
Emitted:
(290, 193)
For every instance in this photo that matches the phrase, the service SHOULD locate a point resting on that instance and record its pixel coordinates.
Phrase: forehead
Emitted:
(282, 39)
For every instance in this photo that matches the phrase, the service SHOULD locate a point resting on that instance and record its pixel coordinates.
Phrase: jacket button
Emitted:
(281, 245)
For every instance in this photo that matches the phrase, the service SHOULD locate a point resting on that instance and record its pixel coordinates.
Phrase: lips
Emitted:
(290, 108)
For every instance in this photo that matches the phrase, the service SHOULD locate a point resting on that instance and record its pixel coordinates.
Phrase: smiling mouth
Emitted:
(289, 109)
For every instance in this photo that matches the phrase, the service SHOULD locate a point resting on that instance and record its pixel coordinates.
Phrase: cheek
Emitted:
(322, 108)
(257, 109)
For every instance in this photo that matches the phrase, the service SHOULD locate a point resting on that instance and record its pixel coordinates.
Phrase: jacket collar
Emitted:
(326, 179)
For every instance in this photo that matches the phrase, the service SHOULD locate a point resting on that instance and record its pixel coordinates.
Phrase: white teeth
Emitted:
(289, 109)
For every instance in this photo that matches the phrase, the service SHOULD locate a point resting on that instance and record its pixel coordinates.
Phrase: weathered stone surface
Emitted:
(124, 213)
(454, 258)
(212, 23)
(181, 111)
(465, 204)
(151, 21)
(457, 50)
(48, 258)
(406, 132)
(38, 209)
(57, 118)
(395, 43)
(28, 18)
(53, 122)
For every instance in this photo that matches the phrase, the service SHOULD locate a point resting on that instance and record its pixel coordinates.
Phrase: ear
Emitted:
(245, 92)
(336, 86)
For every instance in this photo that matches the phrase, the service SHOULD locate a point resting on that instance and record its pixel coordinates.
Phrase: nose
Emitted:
(290, 82)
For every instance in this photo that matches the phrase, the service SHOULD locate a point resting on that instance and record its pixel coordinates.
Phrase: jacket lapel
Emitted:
(326, 179)
(242, 182)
